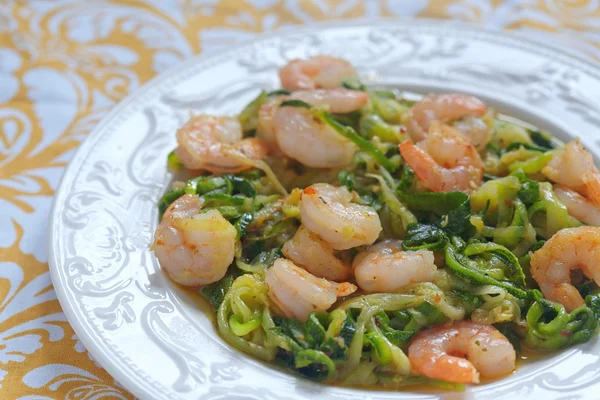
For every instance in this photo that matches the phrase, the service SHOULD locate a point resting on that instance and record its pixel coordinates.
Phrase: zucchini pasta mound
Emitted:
(358, 236)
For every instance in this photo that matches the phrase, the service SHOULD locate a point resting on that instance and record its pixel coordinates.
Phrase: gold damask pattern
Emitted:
(65, 64)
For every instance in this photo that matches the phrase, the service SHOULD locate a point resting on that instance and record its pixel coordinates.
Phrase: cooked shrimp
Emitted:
(195, 249)
(448, 161)
(567, 250)
(578, 206)
(385, 267)
(215, 144)
(461, 352)
(574, 168)
(444, 107)
(297, 292)
(315, 255)
(338, 100)
(311, 141)
(327, 211)
(316, 72)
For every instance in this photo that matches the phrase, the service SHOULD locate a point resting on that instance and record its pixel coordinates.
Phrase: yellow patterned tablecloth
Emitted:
(65, 64)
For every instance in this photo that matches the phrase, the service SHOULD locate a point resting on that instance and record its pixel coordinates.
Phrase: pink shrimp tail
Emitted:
(345, 289)
(424, 166)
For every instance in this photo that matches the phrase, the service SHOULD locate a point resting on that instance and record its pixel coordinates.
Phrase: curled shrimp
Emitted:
(216, 144)
(449, 107)
(578, 206)
(385, 267)
(315, 255)
(315, 72)
(297, 292)
(448, 161)
(574, 168)
(568, 249)
(461, 352)
(311, 141)
(338, 100)
(195, 249)
(327, 211)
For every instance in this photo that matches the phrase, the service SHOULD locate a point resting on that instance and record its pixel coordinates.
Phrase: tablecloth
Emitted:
(65, 64)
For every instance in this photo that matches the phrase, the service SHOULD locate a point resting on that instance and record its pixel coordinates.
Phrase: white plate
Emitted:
(150, 335)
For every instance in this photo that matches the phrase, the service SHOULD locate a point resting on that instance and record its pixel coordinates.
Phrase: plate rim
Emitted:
(125, 376)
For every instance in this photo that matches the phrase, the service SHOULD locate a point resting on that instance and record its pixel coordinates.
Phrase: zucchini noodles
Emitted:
(428, 216)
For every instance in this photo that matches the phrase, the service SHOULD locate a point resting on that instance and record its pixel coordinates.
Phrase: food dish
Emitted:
(360, 238)
(111, 287)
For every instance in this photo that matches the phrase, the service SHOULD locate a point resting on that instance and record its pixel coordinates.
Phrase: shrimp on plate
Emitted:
(297, 292)
(464, 109)
(568, 249)
(462, 352)
(319, 72)
(316, 256)
(385, 267)
(445, 161)
(327, 211)
(573, 167)
(195, 249)
(295, 132)
(309, 140)
(216, 144)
